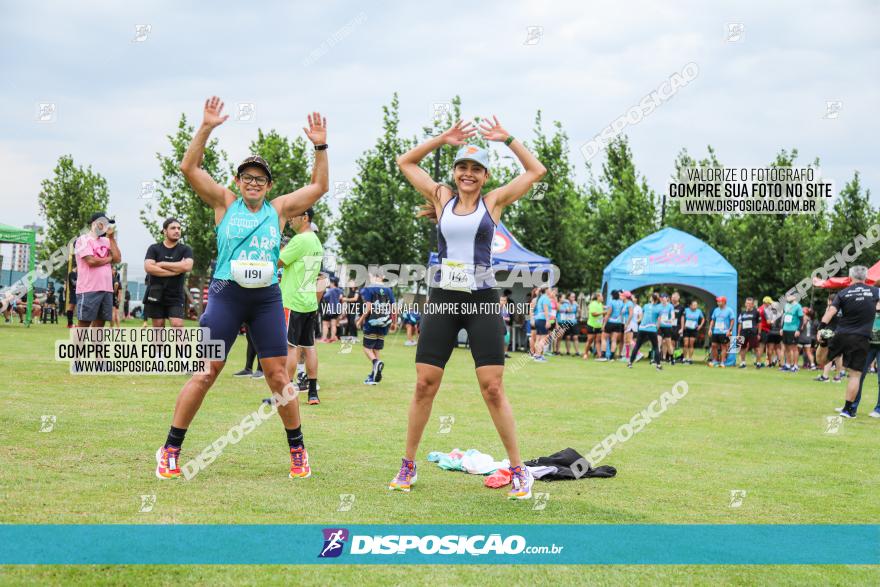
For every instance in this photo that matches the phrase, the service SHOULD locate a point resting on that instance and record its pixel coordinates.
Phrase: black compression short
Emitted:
(439, 331)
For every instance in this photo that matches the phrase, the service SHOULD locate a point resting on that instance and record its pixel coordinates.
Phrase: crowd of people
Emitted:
(788, 339)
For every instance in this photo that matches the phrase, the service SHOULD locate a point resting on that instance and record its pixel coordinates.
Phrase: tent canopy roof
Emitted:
(11, 234)
(842, 282)
(671, 256)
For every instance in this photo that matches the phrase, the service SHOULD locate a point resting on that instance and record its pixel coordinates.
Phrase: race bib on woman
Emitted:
(456, 276)
(690, 324)
(252, 273)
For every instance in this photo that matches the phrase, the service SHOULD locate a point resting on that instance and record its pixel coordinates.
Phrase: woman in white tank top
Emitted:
(466, 227)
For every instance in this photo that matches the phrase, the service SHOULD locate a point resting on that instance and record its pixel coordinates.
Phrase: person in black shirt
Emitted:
(807, 338)
(858, 302)
(71, 296)
(166, 263)
(678, 308)
(822, 350)
(351, 303)
(873, 355)
(117, 287)
(747, 323)
(50, 313)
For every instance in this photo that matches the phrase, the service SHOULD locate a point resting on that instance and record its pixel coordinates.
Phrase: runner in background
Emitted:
(721, 327)
(378, 317)
(747, 330)
(648, 332)
(612, 326)
(632, 323)
(692, 323)
(595, 318)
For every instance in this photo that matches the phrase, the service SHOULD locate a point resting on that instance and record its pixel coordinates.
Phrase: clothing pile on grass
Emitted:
(566, 464)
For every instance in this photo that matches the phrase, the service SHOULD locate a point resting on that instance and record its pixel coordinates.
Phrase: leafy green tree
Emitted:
(67, 200)
(291, 164)
(851, 215)
(713, 229)
(377, 223)
(551, 218)
(773, 252)
(622, 209)
(175, 197)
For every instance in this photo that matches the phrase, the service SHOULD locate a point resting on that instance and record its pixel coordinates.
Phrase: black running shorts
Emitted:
(853, 347)
(471, 311)
(300, 328)
(612, 327)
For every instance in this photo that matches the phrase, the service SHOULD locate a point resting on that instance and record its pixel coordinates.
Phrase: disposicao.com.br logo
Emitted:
(402, 544)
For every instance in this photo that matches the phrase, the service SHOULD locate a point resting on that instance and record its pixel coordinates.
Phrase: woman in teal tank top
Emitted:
(245, 286)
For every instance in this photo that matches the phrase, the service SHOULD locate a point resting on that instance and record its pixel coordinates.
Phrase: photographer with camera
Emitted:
(167, 263)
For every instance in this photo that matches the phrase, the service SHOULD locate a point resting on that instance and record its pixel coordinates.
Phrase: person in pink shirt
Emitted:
(95, 251)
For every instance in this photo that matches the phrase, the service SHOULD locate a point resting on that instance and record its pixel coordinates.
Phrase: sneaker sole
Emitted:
(394, 487)
(314, 402)
(242, 376)
(526, 496)
(306, 476)
(378, 376)
(158, 474)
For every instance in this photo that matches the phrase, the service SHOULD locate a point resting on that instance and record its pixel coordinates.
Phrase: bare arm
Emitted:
(153, 268)
(212, 193)
(829, 314)
(177, 267)
(368, 307)
(436, 194)
(93, 261)
(115, 254)
(295, 203)
(503, 196)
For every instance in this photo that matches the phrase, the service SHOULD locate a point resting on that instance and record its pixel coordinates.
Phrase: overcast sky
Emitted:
(766, 74)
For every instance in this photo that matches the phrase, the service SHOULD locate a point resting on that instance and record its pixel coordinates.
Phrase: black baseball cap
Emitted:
(97, 215)
(256, 161)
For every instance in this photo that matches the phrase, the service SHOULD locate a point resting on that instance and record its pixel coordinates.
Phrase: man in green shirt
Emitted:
(301, 261)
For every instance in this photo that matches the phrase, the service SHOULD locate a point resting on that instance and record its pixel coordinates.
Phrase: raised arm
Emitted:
(503, 196)
(436, 194)
(295, 203)
(211, 192)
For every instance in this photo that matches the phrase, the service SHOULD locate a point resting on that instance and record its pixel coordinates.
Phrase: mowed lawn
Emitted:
(762, 432)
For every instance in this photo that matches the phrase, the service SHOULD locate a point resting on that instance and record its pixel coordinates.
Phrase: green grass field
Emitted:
(761, 432)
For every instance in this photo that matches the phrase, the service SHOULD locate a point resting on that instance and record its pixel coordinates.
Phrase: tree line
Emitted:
(581, 226)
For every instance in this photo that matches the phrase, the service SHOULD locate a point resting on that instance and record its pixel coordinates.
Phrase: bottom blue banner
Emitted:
(440, 544)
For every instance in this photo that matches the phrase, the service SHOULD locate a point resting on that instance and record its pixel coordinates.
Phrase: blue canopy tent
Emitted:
(509, 255)
(676, 258)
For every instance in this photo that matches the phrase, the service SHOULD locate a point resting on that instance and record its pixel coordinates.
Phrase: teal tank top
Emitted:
(247, 236)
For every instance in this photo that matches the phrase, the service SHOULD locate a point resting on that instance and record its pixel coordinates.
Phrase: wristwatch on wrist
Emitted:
(321, 147)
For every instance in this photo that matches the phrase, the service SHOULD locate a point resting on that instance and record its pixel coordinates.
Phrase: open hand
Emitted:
(214, 112)
(317, 130)
(459, 134)
(493, 131)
